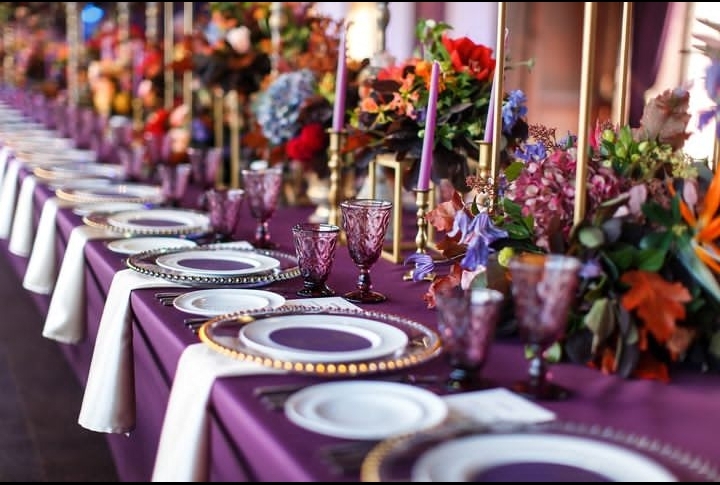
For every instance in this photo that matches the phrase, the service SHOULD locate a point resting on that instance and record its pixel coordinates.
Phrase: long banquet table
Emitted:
(250, 442)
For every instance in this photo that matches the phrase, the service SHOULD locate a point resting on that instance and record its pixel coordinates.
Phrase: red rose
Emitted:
(468, 56)
(311, 141)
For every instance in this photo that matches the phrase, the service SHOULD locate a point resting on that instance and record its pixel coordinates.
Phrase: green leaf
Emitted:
(650, 259)
(623, 258)
(658, 240)
(591, 237)
(655, 213)
(513, 210)
(517, 231)
(697, 268)
(513, 170)
(600, 320)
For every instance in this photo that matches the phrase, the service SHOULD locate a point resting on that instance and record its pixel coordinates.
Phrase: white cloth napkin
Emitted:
(183, 449)
(65, 320)
(41, 270)
(5, 154)
(23, 228)
(108, 404)
(182, 454)
(8, 197)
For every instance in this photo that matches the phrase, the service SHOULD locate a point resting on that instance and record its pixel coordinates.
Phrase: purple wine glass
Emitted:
(224, 205)
(262, 190)
(543, 288)
(315, 245)
(365, 222)
(205, 164)
(174, 181)
(466, 322)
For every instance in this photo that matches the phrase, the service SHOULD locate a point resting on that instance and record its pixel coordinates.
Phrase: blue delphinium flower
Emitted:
(712, 86)
(513, 109)
(478, 233)
(424, 265)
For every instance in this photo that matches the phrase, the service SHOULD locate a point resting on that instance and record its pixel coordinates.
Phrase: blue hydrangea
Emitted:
(278, 107)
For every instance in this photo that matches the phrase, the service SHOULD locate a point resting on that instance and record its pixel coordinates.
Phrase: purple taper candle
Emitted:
(338, 122)
(430, 121)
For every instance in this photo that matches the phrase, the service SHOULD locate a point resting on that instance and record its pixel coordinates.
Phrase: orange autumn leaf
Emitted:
(657, 302)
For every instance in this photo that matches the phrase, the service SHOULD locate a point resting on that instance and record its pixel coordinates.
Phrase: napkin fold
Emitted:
(8, 197)
(22, 232)
(41, 271)
(108, 405)
(182, 454)
(183, 450)
(5, 154)
(65, 320)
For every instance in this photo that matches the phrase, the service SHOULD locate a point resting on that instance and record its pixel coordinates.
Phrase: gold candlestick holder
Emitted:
(335, 166)
(486, 181)
(422, 200)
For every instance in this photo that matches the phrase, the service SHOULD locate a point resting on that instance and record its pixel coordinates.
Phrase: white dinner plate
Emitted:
(322, 338)
(74, 170)
(219, 301)
(218, 262)
(367, 410)
(134, 245)
(114, 192)
(107, 207)
(158, 219)
(466, 459)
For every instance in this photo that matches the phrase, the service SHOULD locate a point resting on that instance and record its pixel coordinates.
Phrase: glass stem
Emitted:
(363, 281)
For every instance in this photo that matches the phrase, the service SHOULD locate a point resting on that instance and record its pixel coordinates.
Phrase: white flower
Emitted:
(239, 39)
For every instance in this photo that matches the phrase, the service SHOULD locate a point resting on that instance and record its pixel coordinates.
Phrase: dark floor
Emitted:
(40, 439)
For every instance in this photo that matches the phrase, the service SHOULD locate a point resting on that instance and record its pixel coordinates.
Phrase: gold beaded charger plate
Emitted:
(151, 222)
(558, 451)
(146, 262)
(368, 342)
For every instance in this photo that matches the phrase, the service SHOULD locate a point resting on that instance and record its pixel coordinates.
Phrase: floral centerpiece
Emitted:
(649, 295)
(393, 104)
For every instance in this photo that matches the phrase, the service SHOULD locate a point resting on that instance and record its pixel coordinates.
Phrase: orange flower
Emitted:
(706, 224)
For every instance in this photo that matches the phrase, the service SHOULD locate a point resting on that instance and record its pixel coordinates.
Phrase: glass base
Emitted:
(541, 391)
(466, 384)
(359, 296)
(316, 292)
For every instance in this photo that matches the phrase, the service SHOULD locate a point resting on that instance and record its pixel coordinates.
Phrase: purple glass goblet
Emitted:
(543, 288)
(262, 190)
(174, 181)
(315, 245)
(205, 165)
(365, 222)
(466, 321)
(224, 205)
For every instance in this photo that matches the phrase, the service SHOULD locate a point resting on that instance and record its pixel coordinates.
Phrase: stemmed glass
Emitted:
(174, 181)
(466, 322)
(262, 190)
(224, 206)
(365, 222)
(315, 245)
(543, 287)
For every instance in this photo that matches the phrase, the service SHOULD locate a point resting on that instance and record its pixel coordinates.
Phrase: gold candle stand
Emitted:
(486, 183)
(388, 160)
(335, 165)
(422, 201)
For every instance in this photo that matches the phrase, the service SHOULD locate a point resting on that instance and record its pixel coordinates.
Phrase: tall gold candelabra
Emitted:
(335, 165)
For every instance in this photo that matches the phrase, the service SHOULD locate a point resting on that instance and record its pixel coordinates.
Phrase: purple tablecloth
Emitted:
(249, 442)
